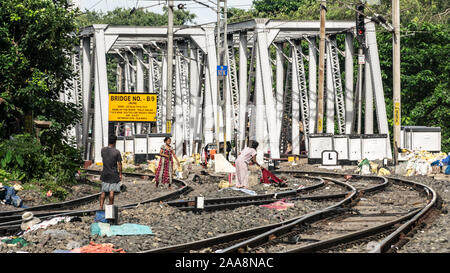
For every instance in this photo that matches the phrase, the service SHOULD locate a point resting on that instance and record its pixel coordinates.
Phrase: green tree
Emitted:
(425, 74)
(412, 11)
(36, 38)
(138, 17)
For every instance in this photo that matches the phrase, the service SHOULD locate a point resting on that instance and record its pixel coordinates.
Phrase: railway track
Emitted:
(357, 203)
(356, 208)
(234, 202)
(211, 244)
(371, 219)
(10, 220)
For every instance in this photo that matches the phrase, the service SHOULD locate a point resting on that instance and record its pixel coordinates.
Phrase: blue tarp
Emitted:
(103, 229)
(100, 217)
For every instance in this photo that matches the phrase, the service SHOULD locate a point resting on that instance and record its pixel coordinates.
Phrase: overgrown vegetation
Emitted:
(36, 39)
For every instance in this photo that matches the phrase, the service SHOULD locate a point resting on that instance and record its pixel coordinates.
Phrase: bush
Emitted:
(23, 155)
(23, 158)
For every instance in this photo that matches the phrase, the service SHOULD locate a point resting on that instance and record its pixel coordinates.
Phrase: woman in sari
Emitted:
(165, 167)
(246, 157)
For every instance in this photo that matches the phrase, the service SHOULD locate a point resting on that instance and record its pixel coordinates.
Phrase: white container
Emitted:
(341, 143)
(199, 202)
(155, 141)
(420, 138)
(317, 143)
(129, 144)
(111, 212)
(374, 147)
(120, 144)
(354, 147)
(140, 144)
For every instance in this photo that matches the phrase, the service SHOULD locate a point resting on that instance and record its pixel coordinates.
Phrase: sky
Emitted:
(204, 14)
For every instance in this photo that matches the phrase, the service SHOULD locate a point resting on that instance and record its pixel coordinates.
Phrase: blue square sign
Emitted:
(222, 70)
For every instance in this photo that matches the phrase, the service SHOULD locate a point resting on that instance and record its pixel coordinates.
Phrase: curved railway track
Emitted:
(372, 218)
(356, 204)
(391, 225)
(211, 244)
(10, 220)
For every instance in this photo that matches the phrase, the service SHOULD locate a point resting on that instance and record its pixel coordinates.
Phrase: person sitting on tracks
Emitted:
(165, 167)
(247, 155)
(112, 171)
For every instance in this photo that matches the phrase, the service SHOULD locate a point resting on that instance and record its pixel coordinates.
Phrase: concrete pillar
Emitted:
(349, 107)
(312, 85)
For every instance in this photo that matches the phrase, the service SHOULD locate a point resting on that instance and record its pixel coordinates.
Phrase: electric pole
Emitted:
(221, 59)
(323, 10)
(396, 75)
(169, 67)
(360, 36)
(218, 80)
(225, 91)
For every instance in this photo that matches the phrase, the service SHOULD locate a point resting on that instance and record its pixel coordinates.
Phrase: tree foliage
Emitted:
(425, 75)
(37, 38)
(138, 17)
(412, 11)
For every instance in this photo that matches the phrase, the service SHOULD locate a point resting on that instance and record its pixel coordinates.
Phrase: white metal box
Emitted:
(155, 141)
(374, 147)
(140, 144)
(354, 147)
(129, 144)
(317, 143)
(418, 138)
(340, 143)
(120, 144)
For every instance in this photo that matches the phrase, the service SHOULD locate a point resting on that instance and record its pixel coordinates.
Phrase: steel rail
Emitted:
(308, 218)
(233, 202)
(14, 225)
(69, 203)
(239, 235)
(389, 244)
(321, 245)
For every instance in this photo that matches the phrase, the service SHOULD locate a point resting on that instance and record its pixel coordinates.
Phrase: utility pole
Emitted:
(225, 51)
(218, 80)
(169, 67)
(396, 75)
(323, 10)
(221, 50)
(360, 36)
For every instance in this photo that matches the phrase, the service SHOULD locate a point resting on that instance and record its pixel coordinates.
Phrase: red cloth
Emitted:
(279, 205)
(266, 175)
(98, 248)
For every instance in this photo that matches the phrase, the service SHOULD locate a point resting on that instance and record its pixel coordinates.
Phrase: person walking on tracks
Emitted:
(165, 167)
(247, 155)
(112, 171)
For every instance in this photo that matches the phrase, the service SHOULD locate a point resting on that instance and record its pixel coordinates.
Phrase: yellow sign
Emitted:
(132, 107)
(319, 125)
(397, 113)
(168, 127)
